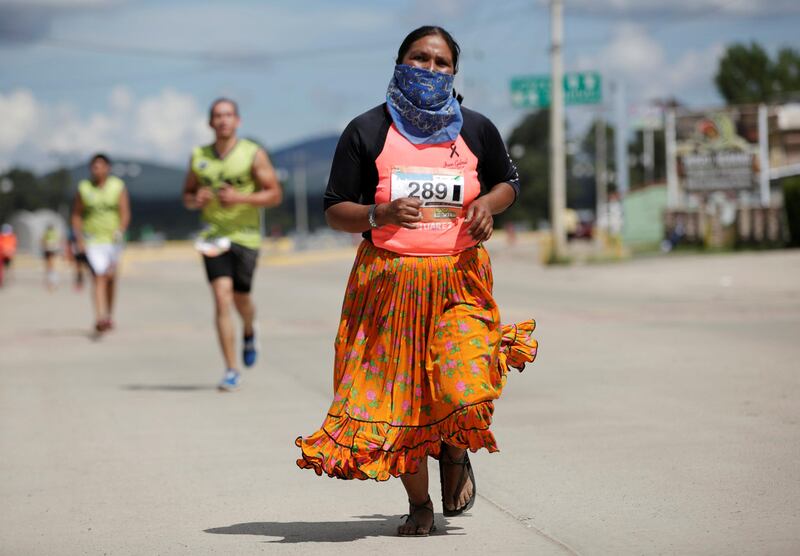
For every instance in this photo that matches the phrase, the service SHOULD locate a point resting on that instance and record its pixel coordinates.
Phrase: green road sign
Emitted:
(529, 91)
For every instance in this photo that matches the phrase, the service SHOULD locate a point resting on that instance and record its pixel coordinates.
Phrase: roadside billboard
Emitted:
(717, 151)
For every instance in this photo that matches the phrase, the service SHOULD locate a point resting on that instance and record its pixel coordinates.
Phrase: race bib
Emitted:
(212, 246)
(440, 190)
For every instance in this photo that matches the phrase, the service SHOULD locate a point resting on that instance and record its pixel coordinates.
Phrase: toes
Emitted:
(409, 529)
(464, 495)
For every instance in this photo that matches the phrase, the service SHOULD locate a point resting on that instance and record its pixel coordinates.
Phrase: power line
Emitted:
(256, 58)
(254, 61)
(232, 57)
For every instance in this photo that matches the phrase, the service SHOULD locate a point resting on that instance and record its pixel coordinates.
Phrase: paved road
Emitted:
(661, 417)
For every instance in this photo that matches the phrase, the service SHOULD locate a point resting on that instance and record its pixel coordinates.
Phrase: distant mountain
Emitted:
(315, 154)
(155, 189)
(317, 151)
(151, 181)
(144, 179)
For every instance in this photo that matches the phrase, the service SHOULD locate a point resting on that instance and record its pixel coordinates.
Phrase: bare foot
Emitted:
(419, 521)
(452, 469)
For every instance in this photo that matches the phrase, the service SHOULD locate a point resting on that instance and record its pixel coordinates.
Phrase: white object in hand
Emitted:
(212, 246)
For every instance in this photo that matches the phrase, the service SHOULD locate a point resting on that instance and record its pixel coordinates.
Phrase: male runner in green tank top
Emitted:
(100, 215)
(230, 180)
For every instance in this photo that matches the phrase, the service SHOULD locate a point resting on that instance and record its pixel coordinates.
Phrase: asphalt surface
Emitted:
(661, 416)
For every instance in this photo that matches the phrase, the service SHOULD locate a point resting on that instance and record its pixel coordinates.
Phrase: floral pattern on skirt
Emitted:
(420, 355)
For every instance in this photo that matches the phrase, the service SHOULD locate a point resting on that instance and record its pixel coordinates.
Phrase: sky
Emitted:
(135, 78)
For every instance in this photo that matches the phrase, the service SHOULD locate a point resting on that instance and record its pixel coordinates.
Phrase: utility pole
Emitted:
(600, 179)
(648, 140)
(763, 155)
(558, 161)
(621, 139)
(672, 160)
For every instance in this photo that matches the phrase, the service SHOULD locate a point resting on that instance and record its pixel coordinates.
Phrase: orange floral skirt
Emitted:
(420, 357)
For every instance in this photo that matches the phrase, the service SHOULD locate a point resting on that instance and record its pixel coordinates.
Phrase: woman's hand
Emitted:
(479, 216)
(404, 212)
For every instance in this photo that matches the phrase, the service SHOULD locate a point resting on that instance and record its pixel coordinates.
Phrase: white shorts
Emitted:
(103, 257)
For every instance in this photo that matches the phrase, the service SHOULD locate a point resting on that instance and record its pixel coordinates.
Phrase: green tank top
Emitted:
(101, 209)
(239, 223)
(50, 240)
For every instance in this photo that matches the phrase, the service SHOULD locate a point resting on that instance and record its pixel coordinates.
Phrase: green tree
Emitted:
(746, 74)
(23, 194)
(55, 190)
(528, 144)
(636, 153)
(27, 192)
(787, 72)
(588, 146)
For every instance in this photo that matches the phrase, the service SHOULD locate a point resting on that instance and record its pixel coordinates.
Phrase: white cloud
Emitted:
(695, 68)
(18, 112)
(169, 124)
(642, 63)
(632, 50)
(161, 127)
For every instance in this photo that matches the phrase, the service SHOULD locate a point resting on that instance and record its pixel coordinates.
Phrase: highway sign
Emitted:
(533, 91)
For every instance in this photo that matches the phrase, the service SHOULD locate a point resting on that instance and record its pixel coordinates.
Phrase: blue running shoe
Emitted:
(231, 381)
(250, 349)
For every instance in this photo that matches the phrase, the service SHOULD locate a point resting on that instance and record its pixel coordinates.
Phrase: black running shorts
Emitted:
(238, 263)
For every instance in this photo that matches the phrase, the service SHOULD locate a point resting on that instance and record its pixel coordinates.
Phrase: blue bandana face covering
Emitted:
(422, 105)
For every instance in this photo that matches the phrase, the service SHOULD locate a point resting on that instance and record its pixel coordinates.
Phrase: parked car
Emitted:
(579, 223)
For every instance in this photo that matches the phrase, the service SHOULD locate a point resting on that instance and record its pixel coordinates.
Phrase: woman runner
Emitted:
(420, 352)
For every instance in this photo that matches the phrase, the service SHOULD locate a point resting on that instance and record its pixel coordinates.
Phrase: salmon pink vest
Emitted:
(445, 184)
(375, 164)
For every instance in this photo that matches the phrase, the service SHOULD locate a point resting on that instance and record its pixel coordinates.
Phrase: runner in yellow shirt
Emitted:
(51, 245)
(230, 180)
(100, 216)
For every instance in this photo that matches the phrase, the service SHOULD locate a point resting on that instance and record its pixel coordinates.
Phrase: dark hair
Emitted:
(100, 156)
(425, 31)
(220, 100)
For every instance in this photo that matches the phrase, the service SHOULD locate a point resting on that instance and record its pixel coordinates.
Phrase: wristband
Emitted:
(371, 216)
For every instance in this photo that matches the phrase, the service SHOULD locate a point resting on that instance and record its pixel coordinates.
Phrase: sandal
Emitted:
(414, 509)
(466, 472)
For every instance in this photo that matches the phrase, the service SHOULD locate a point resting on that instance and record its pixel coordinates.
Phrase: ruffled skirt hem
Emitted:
(348, 448)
